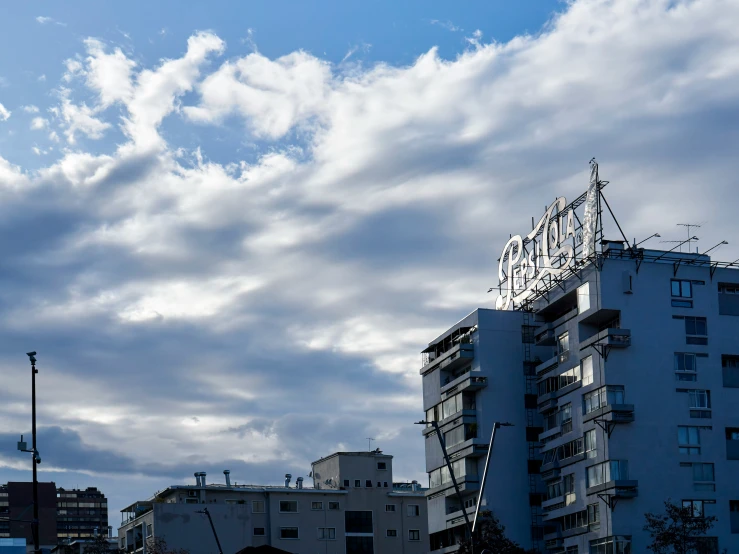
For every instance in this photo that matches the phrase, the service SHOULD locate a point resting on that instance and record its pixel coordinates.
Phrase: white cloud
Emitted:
(30, 109)
(44, 20)
(80, 119)
(448, 25)
(39, 123)
(42, 78)
(108, 74)
(274, 95)
(4, 113)
(53, 136)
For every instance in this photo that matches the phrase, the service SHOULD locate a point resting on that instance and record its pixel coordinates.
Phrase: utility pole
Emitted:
(213, 527)
(36, 458)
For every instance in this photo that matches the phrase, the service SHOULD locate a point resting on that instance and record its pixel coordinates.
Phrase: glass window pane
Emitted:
(690, 326)
(701, 327)
(583, 298)
(686, 289)
(675, 288)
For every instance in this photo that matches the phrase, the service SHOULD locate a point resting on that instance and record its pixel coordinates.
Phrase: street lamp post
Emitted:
(36, 458)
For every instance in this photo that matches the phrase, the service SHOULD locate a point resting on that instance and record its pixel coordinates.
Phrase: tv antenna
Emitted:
(688, 227)
(369, 444)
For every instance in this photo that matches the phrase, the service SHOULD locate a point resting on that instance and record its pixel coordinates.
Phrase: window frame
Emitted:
(313, 505)
(322, 530)
(333, 505)
(417, 535)
(281, 511)
(389, 536)
(297, 529)
(262, 534)
(392, 506)
(255, 503)
(417, 510)
(384, 468)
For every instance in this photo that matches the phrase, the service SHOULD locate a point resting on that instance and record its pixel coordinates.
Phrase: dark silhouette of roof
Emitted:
(264, 549)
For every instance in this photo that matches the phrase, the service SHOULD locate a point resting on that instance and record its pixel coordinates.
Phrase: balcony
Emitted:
(454, 358)
(544, 335)
(607, 339)
(548, 365)
(466, 382)
(465, 483)
(612, 413)
(617, 488)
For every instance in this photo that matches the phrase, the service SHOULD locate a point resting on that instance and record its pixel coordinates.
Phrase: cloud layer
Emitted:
(260, 300)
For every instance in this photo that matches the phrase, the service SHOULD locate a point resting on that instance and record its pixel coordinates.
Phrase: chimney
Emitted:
(197, 479)
(227, 473)
(299, 482)
(414, 486)
(287, 479)
(202, 478)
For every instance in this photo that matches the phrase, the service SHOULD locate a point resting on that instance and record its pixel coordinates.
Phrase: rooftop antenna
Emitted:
(369, 444)
(688, 226)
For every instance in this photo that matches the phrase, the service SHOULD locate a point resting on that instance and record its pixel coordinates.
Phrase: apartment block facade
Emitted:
(353, 507)
(64, 514)
(635, 359)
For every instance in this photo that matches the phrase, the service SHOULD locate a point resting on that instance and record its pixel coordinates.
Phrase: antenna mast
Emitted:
(690, 237)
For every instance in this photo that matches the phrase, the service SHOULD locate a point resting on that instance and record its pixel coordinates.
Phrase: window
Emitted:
(257, 506)
(460, 434)
(382, 466)
(590, 444)
(685, 366)
(612, 470)
(316, 506)
(384, 484)
(554, 490)
(697, 506)
(563, 347)
(696, 330)
(565, 417)
(389, 507)
(358, 521)
(288, 506)
(326, 533)
(289, 533)
(441, 476)
(586, 366)
(593, 517)
(730, 365)
(149, 530)
(259, 531)
(569, 377)
(391, 533)
(414, 535)
(368, 483)
(728, 288)
(574, 520)
(608, 395)
(689, 439)
(699, 401)
(451, 406)
(413, 510)
(379, 484)
(346, 483)
(333, 505)
(583, 298)
(568, 488)
(732, 433)
(357, 483)
(611, 545)
(681, 291)
(359, 545)
(703, 477)
(563, 452)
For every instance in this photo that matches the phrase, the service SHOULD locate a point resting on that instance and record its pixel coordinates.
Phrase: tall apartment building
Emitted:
(63, 514)
(353, 507)
(81, 513)
(637, 388)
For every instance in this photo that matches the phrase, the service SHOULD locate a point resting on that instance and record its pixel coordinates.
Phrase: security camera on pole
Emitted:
(23, 447)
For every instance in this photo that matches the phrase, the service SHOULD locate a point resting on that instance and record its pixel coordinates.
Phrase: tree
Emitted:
(101, 545)
(490, 536)
(157, 545)
(680, 530)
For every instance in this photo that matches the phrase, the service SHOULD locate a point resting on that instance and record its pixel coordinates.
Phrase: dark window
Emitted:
(384, 484)
(357, 483)
(696, 330)
(259, 531)
(346, 483)
(414, 535)
(680, 291)
(412, 510)
(288, 506)
(333, 505)
(359, 545)
(368, 483)
(289, 532)
(391, 533)
(358, 521)
(381, 465)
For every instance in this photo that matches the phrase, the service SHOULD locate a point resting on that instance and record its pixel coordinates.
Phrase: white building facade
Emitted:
(353, 508)
(635, 358)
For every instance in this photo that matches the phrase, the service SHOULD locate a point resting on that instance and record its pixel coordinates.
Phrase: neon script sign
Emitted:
(548, 250)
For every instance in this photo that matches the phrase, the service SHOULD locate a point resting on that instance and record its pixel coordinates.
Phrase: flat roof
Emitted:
(368, 453)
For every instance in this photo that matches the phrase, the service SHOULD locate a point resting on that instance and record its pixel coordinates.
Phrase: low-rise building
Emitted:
(353, 507)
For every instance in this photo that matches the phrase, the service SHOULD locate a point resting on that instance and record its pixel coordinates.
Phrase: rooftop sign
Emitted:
(560, 239)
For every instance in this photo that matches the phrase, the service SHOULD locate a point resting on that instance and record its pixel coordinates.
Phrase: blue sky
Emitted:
(230, 230)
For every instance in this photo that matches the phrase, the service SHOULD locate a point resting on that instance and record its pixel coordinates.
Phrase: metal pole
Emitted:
(213, 527)
(34, 525)
(454, 482)
(484, 476)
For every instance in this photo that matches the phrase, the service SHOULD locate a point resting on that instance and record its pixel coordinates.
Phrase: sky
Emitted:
(229, 229)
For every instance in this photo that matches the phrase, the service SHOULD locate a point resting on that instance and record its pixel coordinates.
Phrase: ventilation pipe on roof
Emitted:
(288, 476)
(202, 478)
(227, 473)
(414, 486)
(197, 479)
(299, 483)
